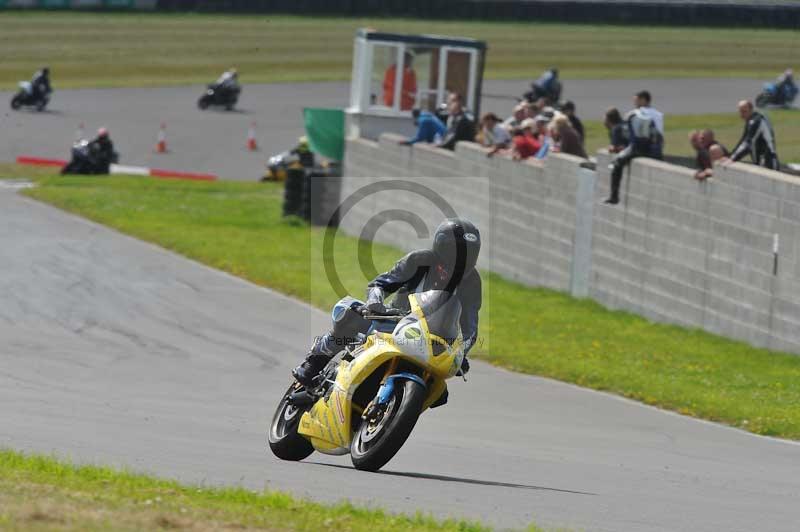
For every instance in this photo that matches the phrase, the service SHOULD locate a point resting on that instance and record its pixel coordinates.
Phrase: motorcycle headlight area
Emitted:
(411, 339)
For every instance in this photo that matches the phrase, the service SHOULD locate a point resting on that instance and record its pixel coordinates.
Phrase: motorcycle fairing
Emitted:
(328, 424)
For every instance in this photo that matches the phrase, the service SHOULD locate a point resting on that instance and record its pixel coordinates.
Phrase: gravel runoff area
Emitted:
(215, 141)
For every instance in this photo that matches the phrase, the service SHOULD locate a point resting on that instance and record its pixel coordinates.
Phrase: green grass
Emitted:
(238, 228)
(42, 493)
(124, 50)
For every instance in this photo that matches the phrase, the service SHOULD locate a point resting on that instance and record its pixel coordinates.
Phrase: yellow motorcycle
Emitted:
(369, 397)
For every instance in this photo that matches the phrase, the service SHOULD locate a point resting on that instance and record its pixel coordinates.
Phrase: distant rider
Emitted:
(449, 265)
(101, 150)
(758, 138)
(229, 80)
(785, 87)
(547, 86)
(40, 83)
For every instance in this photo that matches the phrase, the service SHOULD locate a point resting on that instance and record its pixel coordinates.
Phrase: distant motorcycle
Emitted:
(28, 97)
(772, 95)
(84, 161)
(221, 95)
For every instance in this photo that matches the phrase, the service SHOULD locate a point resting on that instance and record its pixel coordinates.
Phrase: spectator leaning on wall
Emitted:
(428, 128)
(459, 124)
(565, 137)
(708, 151)
(758, 138)
(525, 143)
(617, 130)
(493, 134)
(569, 109)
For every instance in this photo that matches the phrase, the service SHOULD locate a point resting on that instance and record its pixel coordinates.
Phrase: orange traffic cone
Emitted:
(161, 144)
(251, 138)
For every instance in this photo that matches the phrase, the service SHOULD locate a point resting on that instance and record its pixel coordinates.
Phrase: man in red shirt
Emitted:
(526, 145)
(408, 91)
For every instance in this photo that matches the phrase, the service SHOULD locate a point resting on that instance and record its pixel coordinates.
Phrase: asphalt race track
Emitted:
(117, 352)
(214, 141)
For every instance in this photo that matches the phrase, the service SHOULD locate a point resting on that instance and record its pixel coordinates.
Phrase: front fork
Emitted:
(375, 408)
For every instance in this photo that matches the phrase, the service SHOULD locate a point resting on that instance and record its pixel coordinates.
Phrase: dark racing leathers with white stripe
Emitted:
(758, 140)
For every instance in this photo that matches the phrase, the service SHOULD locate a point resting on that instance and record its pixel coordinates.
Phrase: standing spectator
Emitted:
(565, 138)
(617, 131)
(645, 141)
(515, 120)
(459, 124)
(642, 100)
(569, 109)
(758, 139)
(494, 134)
(408, 89)
(429, 127)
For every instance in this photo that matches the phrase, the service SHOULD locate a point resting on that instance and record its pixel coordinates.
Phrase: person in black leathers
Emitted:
(102, 151)
(449, 265)
(460, 125)
(758, 138)
(40, 83)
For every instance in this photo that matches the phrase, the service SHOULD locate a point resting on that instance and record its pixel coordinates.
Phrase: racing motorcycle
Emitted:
(84, 161)
(26, 96)
(222, 95)
(771, 95)
(368, 398)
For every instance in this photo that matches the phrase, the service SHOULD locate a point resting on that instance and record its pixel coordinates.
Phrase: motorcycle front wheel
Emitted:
(284, 441)
(762, 100)
(16, 102)
(202, 103)
(377, 441)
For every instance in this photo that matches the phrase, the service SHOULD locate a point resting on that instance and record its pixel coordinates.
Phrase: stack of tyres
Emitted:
(293, 191)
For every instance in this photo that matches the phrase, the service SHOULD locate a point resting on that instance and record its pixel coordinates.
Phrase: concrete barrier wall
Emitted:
(499, 194)
(698, 254)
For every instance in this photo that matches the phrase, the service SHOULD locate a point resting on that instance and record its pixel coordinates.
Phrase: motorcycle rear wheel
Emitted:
(375, 443)
(284, 441)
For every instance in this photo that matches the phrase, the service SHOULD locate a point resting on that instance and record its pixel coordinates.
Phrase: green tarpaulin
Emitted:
(325, 132)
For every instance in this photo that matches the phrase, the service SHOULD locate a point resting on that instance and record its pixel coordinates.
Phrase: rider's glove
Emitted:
(376, 308)
(375, 301)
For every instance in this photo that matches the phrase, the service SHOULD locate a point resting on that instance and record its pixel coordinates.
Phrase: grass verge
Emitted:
(41, 493)
(238, 227)
(175, 49)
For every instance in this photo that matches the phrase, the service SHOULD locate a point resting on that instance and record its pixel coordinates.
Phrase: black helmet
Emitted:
(457, 243)
(46, 71)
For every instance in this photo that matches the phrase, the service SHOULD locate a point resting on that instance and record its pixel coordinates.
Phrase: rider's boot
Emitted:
(315, 362)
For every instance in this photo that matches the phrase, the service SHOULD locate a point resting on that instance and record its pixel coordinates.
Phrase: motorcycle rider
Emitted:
(40, 83)
(448, 265)
(547, 86)
(229, 80)
(758, 138)
(102, 150)
(785, 87)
